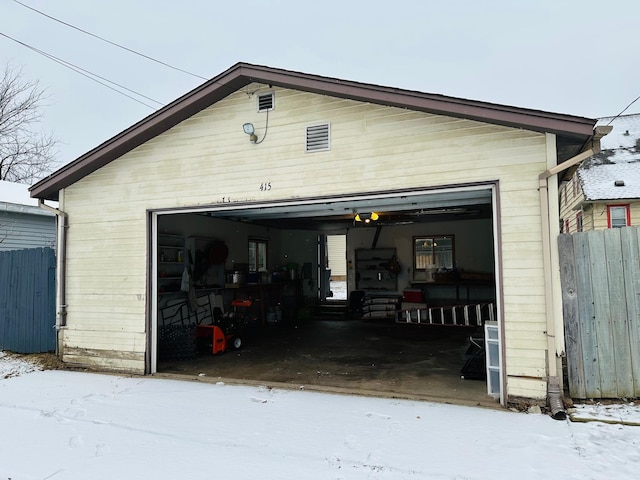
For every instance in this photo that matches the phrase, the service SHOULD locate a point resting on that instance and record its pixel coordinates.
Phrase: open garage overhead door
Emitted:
(290, 226)
(394, 207)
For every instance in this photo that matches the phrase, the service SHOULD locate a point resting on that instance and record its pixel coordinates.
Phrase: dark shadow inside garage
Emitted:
(349, 356)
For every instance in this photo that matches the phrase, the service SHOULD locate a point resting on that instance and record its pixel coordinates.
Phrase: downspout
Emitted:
(61, 262)
(553, 301)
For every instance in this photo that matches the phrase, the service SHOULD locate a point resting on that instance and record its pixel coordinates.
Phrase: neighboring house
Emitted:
(604, 192)
(22, 223)
(452, 182)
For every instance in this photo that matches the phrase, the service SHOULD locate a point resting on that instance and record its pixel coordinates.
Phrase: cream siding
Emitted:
(598, 213)
(594, 214)
(571, 198)
(634, 213)
(526, 387)
(599, 216)
(207, 159)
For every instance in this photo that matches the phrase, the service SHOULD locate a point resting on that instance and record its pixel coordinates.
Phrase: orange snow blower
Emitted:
(223, 334)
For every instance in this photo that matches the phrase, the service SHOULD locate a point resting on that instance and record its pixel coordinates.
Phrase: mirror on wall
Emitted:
(431, 253)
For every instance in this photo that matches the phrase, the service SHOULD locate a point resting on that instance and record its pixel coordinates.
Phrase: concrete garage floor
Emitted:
(378, 358)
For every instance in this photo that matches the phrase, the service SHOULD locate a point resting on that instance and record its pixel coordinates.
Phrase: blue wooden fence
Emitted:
(27, 300)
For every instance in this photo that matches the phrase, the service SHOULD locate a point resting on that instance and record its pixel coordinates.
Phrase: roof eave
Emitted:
(139, 133)
(577, 129)
(566, 125)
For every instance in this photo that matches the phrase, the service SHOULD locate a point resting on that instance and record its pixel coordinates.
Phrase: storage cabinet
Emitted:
(372, 270)
(171, 262)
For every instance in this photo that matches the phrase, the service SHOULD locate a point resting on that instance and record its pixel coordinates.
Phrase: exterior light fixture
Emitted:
(249, 130)
(367, 217)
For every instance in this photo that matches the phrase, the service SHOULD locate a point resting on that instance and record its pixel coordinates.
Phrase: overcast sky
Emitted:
(577, 57)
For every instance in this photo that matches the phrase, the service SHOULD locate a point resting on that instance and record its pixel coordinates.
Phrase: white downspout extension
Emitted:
(61, 253)
(550, 212)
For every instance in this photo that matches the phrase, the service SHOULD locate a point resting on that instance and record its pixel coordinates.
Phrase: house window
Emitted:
(579, 221)
(566, 226)
(618, 216)
(431, 253)
(257, 255)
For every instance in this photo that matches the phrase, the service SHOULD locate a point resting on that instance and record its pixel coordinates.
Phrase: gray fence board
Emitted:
(27, 300)
(573, 343)
(604, 336)
(587, 316)
(618, 313)
(631, 259)
(600, 274)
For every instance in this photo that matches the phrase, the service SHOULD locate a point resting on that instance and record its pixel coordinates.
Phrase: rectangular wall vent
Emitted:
(265, 102)
(317, 137)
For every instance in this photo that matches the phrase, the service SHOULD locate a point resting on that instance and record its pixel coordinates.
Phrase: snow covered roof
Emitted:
(614, 173)
(17, 193)
(15, 197)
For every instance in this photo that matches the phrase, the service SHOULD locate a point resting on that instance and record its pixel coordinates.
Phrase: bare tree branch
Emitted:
(26, 154)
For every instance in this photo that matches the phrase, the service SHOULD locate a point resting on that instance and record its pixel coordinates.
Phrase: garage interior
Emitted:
(369, 324)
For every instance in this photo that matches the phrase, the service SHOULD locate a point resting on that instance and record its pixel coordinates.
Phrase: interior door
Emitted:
(337, 265)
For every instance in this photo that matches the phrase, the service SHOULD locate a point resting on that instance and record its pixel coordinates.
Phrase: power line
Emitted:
(624, 110)
(87, 73)
(110, 42)
(231, 90)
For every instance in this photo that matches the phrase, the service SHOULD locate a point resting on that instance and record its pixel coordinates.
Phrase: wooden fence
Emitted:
(27, 300)
(600, 273)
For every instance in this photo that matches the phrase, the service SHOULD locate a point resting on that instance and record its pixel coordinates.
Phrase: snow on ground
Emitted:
(59, 424)
(339, 290)
(623, 413)
(11, 366)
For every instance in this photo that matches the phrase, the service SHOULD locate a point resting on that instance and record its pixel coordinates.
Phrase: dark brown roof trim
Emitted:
(242, 74)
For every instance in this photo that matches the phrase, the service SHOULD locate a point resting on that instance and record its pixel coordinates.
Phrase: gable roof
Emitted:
(619, 160)
(573, 132)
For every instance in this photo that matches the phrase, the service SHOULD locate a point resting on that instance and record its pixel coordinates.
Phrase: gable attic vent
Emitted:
(265, 102)
(317, 138)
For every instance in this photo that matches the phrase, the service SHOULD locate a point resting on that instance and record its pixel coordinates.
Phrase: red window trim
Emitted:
(579, 224)
(627, 211)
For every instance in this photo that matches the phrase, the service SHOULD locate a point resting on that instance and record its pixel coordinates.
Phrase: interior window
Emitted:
(431, 253)
(257, 255)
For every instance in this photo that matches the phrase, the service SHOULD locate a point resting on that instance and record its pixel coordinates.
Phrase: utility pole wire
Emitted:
(624, 110)
(110, 42)
(87, 73)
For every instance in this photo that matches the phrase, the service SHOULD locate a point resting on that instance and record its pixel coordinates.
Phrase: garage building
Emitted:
(231, 191)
